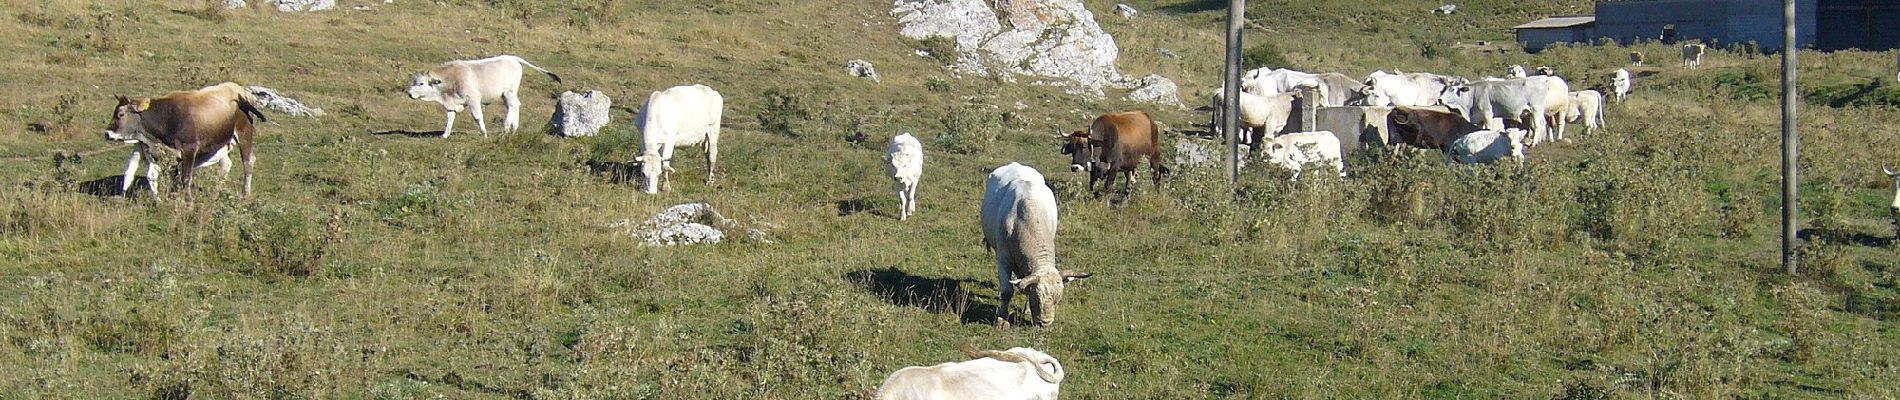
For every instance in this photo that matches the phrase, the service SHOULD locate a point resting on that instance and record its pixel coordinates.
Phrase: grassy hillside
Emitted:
(1639, 262)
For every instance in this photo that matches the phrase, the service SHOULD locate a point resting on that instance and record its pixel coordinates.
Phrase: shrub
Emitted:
(969, 129)
(1265, 54)
(274, 241)
(941, 48)
(936, 84)
(784, 112)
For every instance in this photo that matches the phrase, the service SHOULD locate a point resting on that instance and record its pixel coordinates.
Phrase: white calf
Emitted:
(1485, 147)
(1586, 106)
(1294, 150)
(469, 83)
(904, 162)
(1019, 373)
(1620, 84)
(681, 115)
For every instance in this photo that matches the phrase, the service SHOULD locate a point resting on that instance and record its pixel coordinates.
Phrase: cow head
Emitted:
(653, 170)
(1457, 98)
(1517, 142)
(425, 86)
(1044, 289)
(1515, 71)
(1081, 150)
(128, 120)
(1546, 71)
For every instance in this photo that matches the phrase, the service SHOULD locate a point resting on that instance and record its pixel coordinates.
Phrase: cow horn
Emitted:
(1047, 376)
(1074, 275)
(1402, 118)
(1889, 172)
(1025, 283)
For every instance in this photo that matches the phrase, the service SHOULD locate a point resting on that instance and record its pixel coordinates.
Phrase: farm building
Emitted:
(1564, 29)
(1820, 24)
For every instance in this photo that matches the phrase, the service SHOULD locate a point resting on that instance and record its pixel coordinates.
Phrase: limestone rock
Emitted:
(272, 100)
(581, 114)
(1196, 153)
(1125, 10)
(302, 5)
(861, 69)
(1055, 40)
(1157, 90)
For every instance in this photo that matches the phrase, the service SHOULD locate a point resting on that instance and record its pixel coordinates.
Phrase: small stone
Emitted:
(1125, 10)
(276, 101)
(1156, 89)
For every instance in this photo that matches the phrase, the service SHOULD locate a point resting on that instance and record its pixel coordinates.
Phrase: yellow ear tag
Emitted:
(142, 105)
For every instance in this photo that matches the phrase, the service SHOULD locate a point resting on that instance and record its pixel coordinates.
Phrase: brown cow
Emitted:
(1115, 143)
(1432, 127)
(197, 127)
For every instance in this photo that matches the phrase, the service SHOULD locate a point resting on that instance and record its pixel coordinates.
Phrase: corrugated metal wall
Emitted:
(1722, 22)
(1537, 39)
(1858, 24)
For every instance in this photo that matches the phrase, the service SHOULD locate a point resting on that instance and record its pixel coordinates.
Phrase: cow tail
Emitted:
(250, 108)
(1154, 155)
(524, 62)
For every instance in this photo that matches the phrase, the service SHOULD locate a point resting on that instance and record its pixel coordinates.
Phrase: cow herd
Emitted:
(1483, 121)
(1471, 121)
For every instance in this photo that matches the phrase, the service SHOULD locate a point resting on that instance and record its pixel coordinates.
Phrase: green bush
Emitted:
(969, 129)
(784, 113)
(941, 48)
(1265, 54)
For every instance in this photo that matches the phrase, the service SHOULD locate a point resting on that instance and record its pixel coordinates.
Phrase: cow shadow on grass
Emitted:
(620, 173)
(112, 186)
(936, 295)
(848, 207)
(410, 133)
(1844, 236)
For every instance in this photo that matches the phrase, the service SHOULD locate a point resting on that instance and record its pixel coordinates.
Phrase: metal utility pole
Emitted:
(1230, 110)
(1790, 195)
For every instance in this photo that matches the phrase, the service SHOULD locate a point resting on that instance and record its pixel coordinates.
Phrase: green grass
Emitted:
(1640, 262)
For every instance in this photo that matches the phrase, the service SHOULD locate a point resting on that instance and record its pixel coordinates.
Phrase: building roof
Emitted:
(1559, 22)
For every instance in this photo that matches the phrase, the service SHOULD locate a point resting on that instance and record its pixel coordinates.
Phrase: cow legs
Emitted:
(131, 170)
(712, 157)
(448, 126)
(250, 162)
(475, 110)
(513, 121)
(1004, 290)
(151, 176)
(910, 199)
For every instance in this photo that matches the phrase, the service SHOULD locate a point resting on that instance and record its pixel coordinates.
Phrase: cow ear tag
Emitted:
(142, 105)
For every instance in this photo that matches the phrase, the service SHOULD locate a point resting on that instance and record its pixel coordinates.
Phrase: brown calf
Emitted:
(1427, 127)
(1115, 143)
(196, 127)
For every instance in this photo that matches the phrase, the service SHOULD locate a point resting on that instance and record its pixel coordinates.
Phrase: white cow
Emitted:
(1586, 106)
(678, 116)
(1516, 71)
(1620, 84)
(1692, 55)
(469, 83)
(1894, 208)
(1556, 99)
(1294, 150)
(1019, 225)
(1485, 147)
(1515, 99)
(1019, 373)
(1259, 115)
(904, 162)
(1399, 89)
(1266, 81)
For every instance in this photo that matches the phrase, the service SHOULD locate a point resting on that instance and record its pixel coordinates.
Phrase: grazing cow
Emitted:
(1019, 373)
(1294, 150)
(904, 162)
(1620, 84)
(1518, 100)
(1545, 71)
(195, 128)
(1354, 125)
(1401, 89)
(678, 116)
(1019, 225)
(1692, 55)
(1115, 144)
(1636, 58)
(1586, 106)
(467, 84)
(1260, 115)
(1428, 127)
(1485, 147)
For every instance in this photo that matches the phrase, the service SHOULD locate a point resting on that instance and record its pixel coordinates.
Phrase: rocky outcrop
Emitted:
(1155, 89)
(690, 223)
(581, 114)
(272, 100)
(1053, 41)
(861, 69)
(1125, 10)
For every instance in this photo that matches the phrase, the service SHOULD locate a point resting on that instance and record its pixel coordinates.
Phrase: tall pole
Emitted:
(1231, 92)
(1790, 196)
